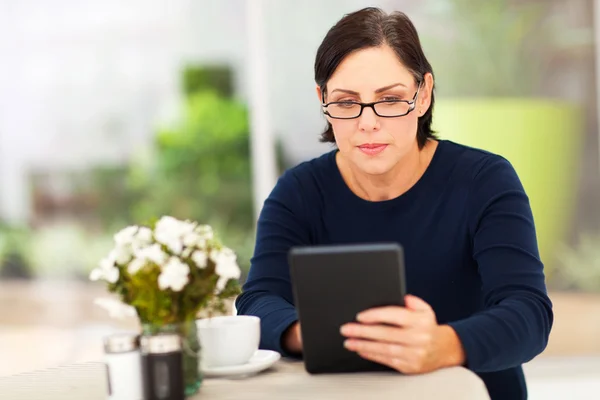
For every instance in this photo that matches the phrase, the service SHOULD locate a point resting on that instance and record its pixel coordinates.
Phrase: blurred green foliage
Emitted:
(200, 167)
(14, 252)
(201, 170)
(197, 78)
(196, 168)
(496, 47)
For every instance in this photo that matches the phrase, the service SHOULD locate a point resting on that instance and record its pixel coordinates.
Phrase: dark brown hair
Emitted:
(372, 27)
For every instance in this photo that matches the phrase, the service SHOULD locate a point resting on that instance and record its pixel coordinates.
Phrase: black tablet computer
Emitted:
(331, 285)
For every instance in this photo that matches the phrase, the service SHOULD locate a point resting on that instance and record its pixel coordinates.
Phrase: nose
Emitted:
(368, 120)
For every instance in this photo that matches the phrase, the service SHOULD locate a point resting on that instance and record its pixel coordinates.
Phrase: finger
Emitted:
(391, 315)
(396, 363)
(401, 364)
(383, 348)
(380, 333)
(416, 304)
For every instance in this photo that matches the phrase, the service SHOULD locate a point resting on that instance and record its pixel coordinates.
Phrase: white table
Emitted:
(286, 380)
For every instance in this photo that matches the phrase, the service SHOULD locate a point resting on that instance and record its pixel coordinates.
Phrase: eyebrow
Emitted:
(383, 89)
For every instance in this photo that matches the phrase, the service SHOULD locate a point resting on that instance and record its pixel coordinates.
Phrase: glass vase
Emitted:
(190, 351)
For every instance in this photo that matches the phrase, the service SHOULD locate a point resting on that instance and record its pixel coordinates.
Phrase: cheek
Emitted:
(402, 130)
(344, 130)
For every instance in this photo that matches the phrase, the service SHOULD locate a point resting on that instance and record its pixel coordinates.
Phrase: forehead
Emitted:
(369, 69)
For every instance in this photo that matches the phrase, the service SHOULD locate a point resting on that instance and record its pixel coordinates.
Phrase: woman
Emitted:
(478, 295)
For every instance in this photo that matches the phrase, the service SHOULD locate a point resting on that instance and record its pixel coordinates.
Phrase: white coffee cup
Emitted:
(228, 340)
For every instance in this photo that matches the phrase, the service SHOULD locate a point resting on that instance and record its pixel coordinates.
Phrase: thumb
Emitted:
(416, 304)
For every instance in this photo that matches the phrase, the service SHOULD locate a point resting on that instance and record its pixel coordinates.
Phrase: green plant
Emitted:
(170, 271)
(496, 47)
(15, 260)
(198, 78)
(166, 274)
(200, 169)
(579, 265)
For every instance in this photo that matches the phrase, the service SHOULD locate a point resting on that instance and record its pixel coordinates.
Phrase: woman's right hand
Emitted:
(292, 339)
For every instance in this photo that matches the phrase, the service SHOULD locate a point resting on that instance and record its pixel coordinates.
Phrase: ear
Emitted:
(319, 94)
(424, 100)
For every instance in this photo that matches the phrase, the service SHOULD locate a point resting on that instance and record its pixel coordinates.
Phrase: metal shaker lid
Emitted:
(160, 344)
(121, 343)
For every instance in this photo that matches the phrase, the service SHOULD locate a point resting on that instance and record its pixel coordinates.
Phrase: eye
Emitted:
(346, 104)
(391, 98)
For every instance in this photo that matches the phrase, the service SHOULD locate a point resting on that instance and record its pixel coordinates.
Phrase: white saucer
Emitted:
(260, 361)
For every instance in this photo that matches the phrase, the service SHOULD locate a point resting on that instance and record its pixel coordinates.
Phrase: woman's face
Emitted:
(373, 144)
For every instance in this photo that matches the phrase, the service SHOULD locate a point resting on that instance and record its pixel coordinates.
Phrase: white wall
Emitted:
(82, 82)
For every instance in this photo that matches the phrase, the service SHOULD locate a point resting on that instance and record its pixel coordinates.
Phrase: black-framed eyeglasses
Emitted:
(382, 108)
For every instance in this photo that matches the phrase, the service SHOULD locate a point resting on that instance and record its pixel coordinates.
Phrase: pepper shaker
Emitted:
(123, 367)
(162, 367)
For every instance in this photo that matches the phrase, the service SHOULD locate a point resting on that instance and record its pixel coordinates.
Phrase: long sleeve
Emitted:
(267, 292)
(517, 319)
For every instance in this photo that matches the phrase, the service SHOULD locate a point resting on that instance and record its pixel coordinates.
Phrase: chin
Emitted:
(375, 167)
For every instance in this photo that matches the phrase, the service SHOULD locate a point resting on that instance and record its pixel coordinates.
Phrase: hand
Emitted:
(411, 341)
(292, 339)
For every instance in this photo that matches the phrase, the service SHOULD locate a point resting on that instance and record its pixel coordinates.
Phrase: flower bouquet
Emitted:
(166, 274)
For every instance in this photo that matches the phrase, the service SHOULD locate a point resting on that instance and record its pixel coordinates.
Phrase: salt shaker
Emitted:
(162, 367)
(124, 366)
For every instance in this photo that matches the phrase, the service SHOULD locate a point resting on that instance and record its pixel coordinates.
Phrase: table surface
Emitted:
(285, 380)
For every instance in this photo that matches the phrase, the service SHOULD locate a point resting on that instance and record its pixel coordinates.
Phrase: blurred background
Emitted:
(116, 112)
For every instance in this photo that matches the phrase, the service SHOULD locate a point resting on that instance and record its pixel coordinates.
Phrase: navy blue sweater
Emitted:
(470, 247)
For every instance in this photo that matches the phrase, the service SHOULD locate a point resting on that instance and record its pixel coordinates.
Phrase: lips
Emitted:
(372, 148)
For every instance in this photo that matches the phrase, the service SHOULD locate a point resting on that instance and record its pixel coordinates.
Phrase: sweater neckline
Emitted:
(405, 197)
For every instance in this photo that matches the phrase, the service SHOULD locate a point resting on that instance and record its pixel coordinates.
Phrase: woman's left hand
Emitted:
(407, 339)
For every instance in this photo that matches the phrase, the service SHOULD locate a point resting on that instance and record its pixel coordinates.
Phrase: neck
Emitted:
(393, 183)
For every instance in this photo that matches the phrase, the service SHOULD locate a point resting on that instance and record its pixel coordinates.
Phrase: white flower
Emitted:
(175, 246)
(226, 266)
(142, 238)
(144, 235)
(136, 265)
(191, 239)
(152, 253)
(170, 232)
(125, 236)
(205, 232)
(166, 223)
(96, 274)
(106, 270)
(121, 254)
(200, 259)
(187, 252)
(173, 226)
(174, 275)
(214, 255)
(115, 308)
(172, 242)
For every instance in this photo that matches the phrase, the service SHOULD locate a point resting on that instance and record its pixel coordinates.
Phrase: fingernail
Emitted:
(344, 329)
(347, 344)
